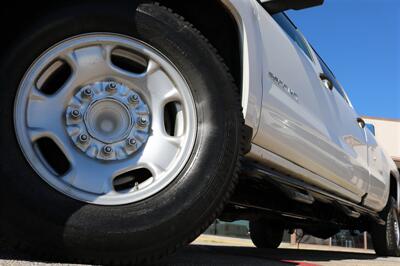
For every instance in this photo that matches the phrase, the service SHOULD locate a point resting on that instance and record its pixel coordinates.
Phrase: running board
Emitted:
(297, 195)
(349, 212)
(254, 170)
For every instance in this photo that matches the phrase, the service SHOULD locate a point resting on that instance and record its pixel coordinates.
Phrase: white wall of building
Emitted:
(387, 132)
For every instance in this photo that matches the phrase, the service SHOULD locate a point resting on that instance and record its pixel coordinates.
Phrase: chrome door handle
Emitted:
(326, 81)
(361, 122)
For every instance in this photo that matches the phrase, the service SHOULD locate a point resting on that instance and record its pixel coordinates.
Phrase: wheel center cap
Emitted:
(108, 121)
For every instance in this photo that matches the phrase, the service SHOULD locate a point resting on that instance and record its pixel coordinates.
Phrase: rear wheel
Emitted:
(126, 145)
(266, 234)
(386, 238)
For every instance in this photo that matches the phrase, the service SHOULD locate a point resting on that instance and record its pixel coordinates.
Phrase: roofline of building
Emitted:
(382, 119)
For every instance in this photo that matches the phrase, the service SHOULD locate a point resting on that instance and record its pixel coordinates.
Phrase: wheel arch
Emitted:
(395, 188)
(227, 31)
(220, 29)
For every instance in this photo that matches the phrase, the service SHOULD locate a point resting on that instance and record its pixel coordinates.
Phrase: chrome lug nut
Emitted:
(132, 142)
(83, 138)
(87, 93)
(107, 150)
(75, 114)
(133, 99)
(143, 121)
(111, 87)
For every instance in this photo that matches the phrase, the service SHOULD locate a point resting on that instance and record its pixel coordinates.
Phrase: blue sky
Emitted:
(360, 41)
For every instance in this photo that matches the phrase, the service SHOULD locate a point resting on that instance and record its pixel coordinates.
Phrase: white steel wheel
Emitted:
(116, 112)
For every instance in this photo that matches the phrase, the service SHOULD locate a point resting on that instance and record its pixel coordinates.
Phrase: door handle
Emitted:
(326, 81)
(361, 122)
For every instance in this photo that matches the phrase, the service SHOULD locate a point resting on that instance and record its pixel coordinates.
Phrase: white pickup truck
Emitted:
(131, 125)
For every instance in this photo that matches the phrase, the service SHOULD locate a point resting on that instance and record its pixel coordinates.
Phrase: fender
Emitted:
(397, 177)
(252, 74)
(395, 173)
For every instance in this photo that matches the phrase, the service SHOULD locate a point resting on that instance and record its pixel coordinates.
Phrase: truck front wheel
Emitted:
(128, 133)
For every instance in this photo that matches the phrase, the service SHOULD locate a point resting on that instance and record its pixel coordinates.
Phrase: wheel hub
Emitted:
(107, 121)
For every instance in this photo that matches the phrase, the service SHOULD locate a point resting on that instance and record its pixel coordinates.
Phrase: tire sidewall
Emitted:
(266, 233)
(383, 236)
(392, 243)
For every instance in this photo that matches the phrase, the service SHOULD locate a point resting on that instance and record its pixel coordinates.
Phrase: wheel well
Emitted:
(215, 22)
(211, 18)
(393, 187)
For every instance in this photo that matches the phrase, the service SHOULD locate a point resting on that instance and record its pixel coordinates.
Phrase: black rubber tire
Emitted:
(383, 236)
(40, 219)
(266, 234)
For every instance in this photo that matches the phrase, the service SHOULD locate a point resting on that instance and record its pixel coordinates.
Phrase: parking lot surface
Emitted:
(204, 254)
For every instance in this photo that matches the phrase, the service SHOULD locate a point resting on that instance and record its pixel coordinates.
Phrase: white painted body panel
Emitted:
(379, 170)
(303, 125)
(299, 131)
(244, 12)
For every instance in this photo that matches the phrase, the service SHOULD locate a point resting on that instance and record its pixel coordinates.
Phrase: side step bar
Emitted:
(298, 195)
(351, 209)
(348, 211)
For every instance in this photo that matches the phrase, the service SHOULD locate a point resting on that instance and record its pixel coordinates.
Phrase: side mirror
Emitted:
(276, 6)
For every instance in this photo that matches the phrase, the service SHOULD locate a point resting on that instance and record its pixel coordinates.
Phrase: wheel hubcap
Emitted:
(117, 126)
(105, 119)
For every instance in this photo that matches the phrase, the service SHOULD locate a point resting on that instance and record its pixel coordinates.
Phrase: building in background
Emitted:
(345, 238)
(387, 132)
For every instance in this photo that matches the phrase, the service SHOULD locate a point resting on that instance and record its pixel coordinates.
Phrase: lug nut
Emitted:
(76, 114)
(111, 87)
(143, 121)
(87, 93)
(132, 142)
(133, 98)
(83, 138)
(107, 150)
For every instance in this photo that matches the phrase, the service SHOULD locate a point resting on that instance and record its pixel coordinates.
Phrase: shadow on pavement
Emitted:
(217, 255)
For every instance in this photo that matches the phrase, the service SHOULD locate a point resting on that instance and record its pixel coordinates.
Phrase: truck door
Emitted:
(295, 123)
(379, 174)
(348, 130)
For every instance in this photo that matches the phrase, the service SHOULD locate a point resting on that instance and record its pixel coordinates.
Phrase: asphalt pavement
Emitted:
(204, 255)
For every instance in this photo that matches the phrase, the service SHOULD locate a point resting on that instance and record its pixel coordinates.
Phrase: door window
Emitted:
(292, 32)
